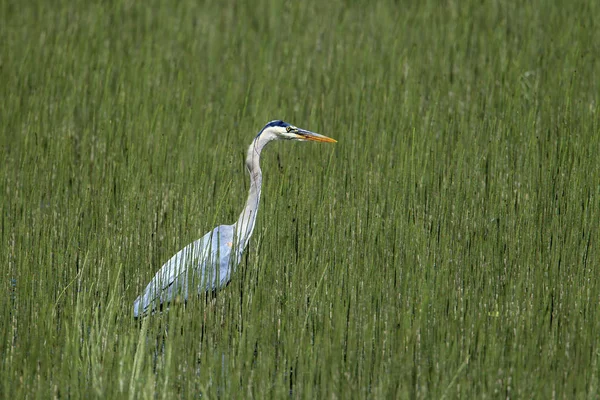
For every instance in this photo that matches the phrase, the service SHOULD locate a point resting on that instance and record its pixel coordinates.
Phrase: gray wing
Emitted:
(198, 264)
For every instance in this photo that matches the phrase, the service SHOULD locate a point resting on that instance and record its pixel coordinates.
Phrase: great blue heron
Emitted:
(207, 263)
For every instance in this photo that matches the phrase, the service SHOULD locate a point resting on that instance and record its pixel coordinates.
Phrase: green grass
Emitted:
(445, 247)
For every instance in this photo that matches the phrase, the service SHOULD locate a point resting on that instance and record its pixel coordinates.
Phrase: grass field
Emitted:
(445, 247)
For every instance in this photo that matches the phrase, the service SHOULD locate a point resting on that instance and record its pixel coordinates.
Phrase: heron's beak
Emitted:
(315, 137)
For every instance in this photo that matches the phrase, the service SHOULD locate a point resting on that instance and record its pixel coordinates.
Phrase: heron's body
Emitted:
(203, 265)
(207, 263)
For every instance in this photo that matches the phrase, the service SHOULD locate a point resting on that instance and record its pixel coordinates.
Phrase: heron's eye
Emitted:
(288, 129)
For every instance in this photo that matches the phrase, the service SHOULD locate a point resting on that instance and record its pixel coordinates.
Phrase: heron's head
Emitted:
(280, 130)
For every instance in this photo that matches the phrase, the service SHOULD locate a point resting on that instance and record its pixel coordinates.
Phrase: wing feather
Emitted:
(201, 261)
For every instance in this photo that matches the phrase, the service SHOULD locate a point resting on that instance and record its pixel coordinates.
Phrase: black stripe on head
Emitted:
(276, 122)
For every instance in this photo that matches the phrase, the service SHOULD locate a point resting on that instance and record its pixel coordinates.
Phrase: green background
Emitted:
(445, 247)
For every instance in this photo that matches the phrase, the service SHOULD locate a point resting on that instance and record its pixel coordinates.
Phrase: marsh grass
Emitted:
(446, 247)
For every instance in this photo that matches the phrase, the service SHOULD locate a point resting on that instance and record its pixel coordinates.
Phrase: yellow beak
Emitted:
(315, 137)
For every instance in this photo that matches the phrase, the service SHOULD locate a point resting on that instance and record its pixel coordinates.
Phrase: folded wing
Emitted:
(205, 264)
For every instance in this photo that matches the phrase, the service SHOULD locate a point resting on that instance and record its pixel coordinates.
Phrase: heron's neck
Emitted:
(247, 219)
